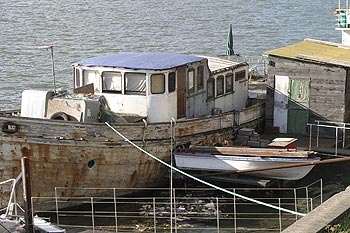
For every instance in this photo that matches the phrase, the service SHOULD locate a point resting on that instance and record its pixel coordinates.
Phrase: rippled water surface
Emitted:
(84, 28)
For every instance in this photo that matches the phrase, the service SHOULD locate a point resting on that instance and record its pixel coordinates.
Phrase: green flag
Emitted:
(230, 51)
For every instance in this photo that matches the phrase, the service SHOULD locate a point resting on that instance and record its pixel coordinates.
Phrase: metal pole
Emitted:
(217, 215)
(92, 214)
(56, 200)
(310, 137)
(307, 199)
(343, 135)
(311, 204)
(154, 216)
(172, 127)
(174, 203)
(279, 214)
(115, 210)
(321, 191)
(234, 212)
(50, 49)
(53, 69)
(318, 133)
(27, 195)
(336, 140)
(295, 204)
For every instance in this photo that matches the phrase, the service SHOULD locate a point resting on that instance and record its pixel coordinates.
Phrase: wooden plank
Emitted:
(254, 152)
(87, 89)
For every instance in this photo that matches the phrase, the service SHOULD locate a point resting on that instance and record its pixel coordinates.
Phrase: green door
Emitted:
(298, 105)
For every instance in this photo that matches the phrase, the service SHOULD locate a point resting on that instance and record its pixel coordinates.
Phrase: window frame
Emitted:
(171, 90)
(191, 89)
(151, 86)
(239, 77)
(128, 92)
(112, 91)
(200, 77)
(211, 85)
(96, 80)
(77, 77)
(220, 78)
(229, 76)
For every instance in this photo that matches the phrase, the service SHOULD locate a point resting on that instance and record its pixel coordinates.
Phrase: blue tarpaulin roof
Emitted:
(140, 61)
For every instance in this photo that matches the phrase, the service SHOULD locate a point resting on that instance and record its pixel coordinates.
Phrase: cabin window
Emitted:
(112, 82)
(76, 73)
(240, 75)
(171, 82)
(135, 83)
(157, 83)
(200, 77)
(211, 88)
(229, 82)
(190, 80)
(90, 76)
(220, 85)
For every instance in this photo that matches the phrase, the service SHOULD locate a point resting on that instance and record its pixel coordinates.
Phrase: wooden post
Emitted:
(27, 195)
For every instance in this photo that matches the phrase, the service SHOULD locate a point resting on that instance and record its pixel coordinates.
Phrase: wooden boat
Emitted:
(282, 164)
(148, 97)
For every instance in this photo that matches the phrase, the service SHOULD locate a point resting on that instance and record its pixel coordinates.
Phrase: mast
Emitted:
(343, 14)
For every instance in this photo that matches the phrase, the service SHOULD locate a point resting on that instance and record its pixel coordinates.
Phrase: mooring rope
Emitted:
(202, 181)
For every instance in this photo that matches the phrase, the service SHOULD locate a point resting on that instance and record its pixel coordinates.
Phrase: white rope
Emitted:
(202, 181)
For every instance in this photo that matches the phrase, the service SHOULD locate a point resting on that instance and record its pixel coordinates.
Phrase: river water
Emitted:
(82, 28)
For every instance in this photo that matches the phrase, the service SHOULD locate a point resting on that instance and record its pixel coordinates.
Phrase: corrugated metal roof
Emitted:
(218, 64)
(315, 51)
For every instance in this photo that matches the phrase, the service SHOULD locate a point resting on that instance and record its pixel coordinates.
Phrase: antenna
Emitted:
(50, 49)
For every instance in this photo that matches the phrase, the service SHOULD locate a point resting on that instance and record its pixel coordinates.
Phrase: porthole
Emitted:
(91, 164)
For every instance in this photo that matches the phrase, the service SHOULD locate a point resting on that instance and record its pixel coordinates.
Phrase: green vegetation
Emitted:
(342, 227)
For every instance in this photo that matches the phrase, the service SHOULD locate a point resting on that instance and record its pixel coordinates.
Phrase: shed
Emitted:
(307, 81)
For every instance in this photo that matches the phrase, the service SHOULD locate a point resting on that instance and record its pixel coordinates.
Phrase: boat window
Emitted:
(200, 77)
(220, 85)
(111, 82)
(229, 82)
(135, 83)
(211, 88)
(190, 80)
(240, 75)
(157, 83)
(76, 73)
(171, 82)
(90, 76)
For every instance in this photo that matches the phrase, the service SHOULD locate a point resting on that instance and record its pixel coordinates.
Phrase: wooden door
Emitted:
(298, 105)
(280, 103)
(181, 92)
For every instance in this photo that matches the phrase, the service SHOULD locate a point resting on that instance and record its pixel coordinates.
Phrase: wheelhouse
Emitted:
(162, 86)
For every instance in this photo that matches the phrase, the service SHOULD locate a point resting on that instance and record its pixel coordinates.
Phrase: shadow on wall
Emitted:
(290, 114)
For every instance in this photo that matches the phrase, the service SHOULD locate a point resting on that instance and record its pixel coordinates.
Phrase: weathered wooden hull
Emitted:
(71, 154)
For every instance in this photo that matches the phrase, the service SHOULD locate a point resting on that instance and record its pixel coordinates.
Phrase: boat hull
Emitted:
(227, 163)
(72, 154)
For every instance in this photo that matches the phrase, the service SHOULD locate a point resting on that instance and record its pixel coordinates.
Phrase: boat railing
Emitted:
(189, 210)
(12, 205)
(339, 128)
(342, 13)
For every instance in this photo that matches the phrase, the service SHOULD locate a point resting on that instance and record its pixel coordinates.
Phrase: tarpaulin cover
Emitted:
(140, 61)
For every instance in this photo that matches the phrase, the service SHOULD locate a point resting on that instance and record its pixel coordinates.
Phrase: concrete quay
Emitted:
(329, 213)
